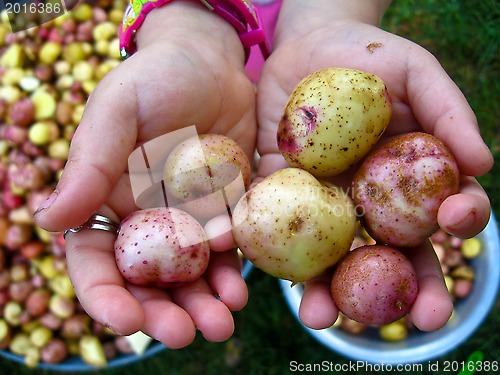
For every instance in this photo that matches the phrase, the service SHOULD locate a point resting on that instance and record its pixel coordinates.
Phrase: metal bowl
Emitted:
(420, 346)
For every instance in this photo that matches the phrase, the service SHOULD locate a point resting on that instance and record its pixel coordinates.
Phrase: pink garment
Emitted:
(268, 12)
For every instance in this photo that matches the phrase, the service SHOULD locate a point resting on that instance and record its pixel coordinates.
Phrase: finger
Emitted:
(317, 309)
(466, 214)
(164, 320)
(270, 163)
(98, 155)
(219, 233)
(210, 315)
(442, 110)
(433, 305)
(98, 284)
(225, 279)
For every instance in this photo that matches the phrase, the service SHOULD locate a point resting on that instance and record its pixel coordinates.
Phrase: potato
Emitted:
(374, 284)
(292, 226)
(206, 174)
(161, 247)
(332, 119)
(395, 331)
(399, 187)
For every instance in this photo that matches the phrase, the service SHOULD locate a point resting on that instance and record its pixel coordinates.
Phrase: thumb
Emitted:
(98, 155)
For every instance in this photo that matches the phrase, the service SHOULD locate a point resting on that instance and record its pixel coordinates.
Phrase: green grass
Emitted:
(465, 37)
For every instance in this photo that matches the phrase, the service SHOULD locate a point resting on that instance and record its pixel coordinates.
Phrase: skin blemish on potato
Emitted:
(296, 224)
(403, 287)
(447, 178)
(286, 139)
(409, 188)
(399, 305)
(309, 117)
(410, 155)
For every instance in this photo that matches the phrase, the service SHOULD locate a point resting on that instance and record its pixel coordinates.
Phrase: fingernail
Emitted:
(110, 329)
(47, 202)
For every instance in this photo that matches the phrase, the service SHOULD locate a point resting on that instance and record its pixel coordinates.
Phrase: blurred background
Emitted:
(464, 36)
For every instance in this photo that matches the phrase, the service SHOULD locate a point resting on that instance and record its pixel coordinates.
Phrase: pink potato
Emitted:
(399, 187)
(163, 247)
(374, 284)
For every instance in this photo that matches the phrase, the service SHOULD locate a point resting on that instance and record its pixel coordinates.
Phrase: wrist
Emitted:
(188, 23)
(298, 17)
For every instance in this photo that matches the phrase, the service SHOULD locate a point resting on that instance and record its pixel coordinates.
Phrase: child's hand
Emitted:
(424, 98)
(189, 73)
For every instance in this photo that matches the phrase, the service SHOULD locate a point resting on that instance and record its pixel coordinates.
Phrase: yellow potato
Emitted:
(332, 119)
(294, 227)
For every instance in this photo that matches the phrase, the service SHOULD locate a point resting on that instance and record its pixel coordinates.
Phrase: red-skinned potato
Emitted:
(374, 284)
(399, 187)
(163, 247)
